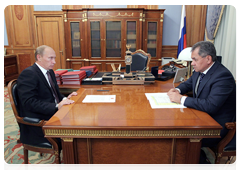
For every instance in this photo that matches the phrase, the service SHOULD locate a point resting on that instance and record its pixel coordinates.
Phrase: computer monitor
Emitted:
(180, 75)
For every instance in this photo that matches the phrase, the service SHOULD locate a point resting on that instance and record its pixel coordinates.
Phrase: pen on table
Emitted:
(102, 90)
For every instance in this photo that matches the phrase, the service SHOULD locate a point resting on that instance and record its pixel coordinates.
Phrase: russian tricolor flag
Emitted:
(182, 42)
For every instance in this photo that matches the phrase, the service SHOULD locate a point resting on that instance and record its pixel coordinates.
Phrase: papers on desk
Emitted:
(99, 99)
(161, 100)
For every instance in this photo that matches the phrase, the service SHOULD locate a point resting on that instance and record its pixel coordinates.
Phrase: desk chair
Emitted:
(52, 148)
(227, 146)
(140, 60)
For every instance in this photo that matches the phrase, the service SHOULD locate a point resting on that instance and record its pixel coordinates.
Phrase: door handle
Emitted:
(61, 52)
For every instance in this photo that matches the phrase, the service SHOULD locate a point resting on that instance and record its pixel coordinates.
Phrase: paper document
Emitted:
(99, 99)
(161, 100)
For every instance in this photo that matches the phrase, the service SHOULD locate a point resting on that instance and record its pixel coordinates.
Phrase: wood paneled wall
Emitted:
(21, 34)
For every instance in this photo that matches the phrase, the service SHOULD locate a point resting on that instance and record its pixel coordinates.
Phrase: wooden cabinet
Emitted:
(99, 36)
(10, 68)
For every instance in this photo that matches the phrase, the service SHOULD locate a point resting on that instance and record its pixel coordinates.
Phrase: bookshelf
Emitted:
(99, 36)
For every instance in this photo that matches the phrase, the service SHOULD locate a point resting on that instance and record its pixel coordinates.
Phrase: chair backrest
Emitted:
(13, 96)
(140, 60)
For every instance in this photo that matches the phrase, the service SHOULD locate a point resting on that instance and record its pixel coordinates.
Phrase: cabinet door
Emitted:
(75, 39)
(95, 39)
(152, 38)
(113, 34)
(132, 35)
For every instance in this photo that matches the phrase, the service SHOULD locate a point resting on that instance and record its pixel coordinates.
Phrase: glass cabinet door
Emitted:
(131, 35)
(75, 39)
(95, 39)
(113, 39)
(152, 38)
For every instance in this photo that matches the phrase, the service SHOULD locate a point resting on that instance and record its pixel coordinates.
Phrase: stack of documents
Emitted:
(58, 75)
(90, 70)
(161, 100)
(74, 77)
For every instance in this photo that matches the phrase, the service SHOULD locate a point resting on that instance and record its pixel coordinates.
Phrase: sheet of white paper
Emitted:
(161, 100)
(99, 99)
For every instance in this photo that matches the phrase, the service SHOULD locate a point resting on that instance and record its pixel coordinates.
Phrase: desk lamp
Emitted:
(185, 55)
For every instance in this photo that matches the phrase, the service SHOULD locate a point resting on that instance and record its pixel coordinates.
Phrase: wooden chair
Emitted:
(227, 146)
(140, 60)
(52, 148)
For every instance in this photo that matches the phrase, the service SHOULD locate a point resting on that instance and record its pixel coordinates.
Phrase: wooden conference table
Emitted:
(129, 130)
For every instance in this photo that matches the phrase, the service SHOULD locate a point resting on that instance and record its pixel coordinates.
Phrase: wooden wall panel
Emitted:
(21, 38)
(22, 32)
(24, 61)
(169, 51)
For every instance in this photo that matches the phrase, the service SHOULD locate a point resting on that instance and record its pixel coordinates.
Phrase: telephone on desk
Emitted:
(169, 70)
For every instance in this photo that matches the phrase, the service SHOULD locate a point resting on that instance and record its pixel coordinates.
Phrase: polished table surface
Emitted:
(131, 110)
(131, 116)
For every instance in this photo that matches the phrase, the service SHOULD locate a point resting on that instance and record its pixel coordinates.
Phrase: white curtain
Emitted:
(225, 40)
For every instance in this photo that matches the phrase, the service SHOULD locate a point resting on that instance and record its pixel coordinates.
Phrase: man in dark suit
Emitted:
(213, 87)
(36, 96)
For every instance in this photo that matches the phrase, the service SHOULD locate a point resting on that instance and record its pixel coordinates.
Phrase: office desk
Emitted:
(129, 130)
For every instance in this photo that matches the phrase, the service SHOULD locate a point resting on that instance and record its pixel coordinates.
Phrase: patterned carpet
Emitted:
(13, 152)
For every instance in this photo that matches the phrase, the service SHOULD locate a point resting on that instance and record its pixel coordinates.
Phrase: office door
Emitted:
(50, 32)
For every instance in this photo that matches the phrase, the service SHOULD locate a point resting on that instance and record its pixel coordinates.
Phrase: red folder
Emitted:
(60, 72)
(160, 71)
(91, 68)
(74, 74)
(72, 82)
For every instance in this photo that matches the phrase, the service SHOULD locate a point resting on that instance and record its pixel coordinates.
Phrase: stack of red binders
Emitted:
(73, 77)
(58, 75)
(93, 70)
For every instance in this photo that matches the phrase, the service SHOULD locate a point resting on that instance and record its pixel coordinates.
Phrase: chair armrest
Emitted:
(232, 130)
(31, 120)
(230, 125)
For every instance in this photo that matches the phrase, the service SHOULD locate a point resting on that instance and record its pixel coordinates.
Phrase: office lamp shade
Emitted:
(185, 54)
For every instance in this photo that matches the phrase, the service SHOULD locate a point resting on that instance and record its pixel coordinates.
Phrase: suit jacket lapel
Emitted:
(43, 78)
(195, 78)
(206, 78)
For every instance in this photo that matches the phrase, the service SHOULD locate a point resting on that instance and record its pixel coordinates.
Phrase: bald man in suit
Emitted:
(36, 97)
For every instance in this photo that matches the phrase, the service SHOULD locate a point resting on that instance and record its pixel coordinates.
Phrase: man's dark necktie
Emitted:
(52, 87)
(198, 83)
(201, 77)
